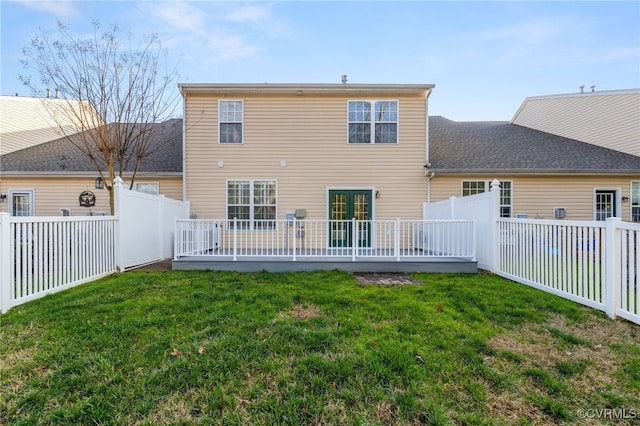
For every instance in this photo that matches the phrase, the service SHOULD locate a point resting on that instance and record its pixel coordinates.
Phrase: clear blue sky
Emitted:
(483, 57)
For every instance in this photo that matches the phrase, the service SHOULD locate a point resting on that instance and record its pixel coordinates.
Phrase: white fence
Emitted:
(482, 209)
(146, 224)
(389, 239)
(596, 264)
(593, 263)
(42, 255)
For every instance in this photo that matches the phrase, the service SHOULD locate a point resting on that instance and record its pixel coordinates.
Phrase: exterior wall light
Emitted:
(99, 182)
(3, 197)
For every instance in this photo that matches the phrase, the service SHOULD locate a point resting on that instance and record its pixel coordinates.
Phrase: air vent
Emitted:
(559, 212)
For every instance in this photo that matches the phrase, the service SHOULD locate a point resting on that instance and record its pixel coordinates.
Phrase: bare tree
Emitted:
(116, 91)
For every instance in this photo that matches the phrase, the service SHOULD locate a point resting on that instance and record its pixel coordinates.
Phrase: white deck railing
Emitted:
(295, 239)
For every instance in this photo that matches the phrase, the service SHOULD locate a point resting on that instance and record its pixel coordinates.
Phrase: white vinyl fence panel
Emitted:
(482, 209)
(146, 225)
(592, 263)
(628, 299)
(43, 255)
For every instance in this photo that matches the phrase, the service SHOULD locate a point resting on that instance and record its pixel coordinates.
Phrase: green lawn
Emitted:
(313, 348)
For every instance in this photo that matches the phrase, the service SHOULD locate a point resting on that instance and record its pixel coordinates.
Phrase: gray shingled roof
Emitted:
(504, 147)
(454, 147)
(61, 156)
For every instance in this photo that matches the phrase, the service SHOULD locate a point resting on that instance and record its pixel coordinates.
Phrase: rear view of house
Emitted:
(332, 174)
(261, 152)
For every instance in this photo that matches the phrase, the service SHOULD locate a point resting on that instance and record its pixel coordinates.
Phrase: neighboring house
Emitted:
(47, 179)
(28, 121)
(610, 119)
(543, 175)
(323, 151)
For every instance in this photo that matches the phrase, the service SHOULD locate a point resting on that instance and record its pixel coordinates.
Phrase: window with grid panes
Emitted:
(635, 201)
(373, 122)
(253, 203)
(21, 203)
(471, 187)
(230, 121)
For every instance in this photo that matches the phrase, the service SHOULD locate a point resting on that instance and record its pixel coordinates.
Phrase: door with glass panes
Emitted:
(605, 204)
(345, 205)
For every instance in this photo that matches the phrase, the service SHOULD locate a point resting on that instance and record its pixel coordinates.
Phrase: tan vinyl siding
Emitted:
(51, 194)
(537, 196)
(610, 120)
(310, 135)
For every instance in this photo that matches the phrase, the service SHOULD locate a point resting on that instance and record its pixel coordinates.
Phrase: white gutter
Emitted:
(305, 88)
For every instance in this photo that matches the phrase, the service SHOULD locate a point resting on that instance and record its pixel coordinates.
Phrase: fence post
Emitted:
(235, 238)
(473, 241)
(161, 215)
(354, 238)
(117, 207)
(5, 263)
(176, 234)
(452, 208)
(396, 239)
(494, 228)
(612, 277)
(295, 236)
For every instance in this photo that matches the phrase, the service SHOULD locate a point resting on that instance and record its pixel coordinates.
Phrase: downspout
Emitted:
(431, 176)
(427, 164)
(426, 134)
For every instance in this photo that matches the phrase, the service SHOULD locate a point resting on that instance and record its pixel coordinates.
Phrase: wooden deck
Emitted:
(381, 246)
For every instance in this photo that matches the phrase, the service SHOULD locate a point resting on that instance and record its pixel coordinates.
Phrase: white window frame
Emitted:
(486, 187)
(617, 199)
(227, 120)
(253, 205)
(373, 121)
(475, 189)
(30, 193)
(634, 201)
(155, 185)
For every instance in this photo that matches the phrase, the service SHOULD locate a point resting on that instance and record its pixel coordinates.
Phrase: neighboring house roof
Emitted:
(608, 118)
(27, 121)
(503, 147)
(62, 157)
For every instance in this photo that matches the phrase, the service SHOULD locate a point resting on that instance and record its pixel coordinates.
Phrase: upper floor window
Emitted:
(373, 121)
(230, 121)
(471, 187)
(635, 201)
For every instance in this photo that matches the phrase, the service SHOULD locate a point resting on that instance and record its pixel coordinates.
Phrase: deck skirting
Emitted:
(255, 264)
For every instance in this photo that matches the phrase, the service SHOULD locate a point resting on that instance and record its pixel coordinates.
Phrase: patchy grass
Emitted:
(152, 348)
